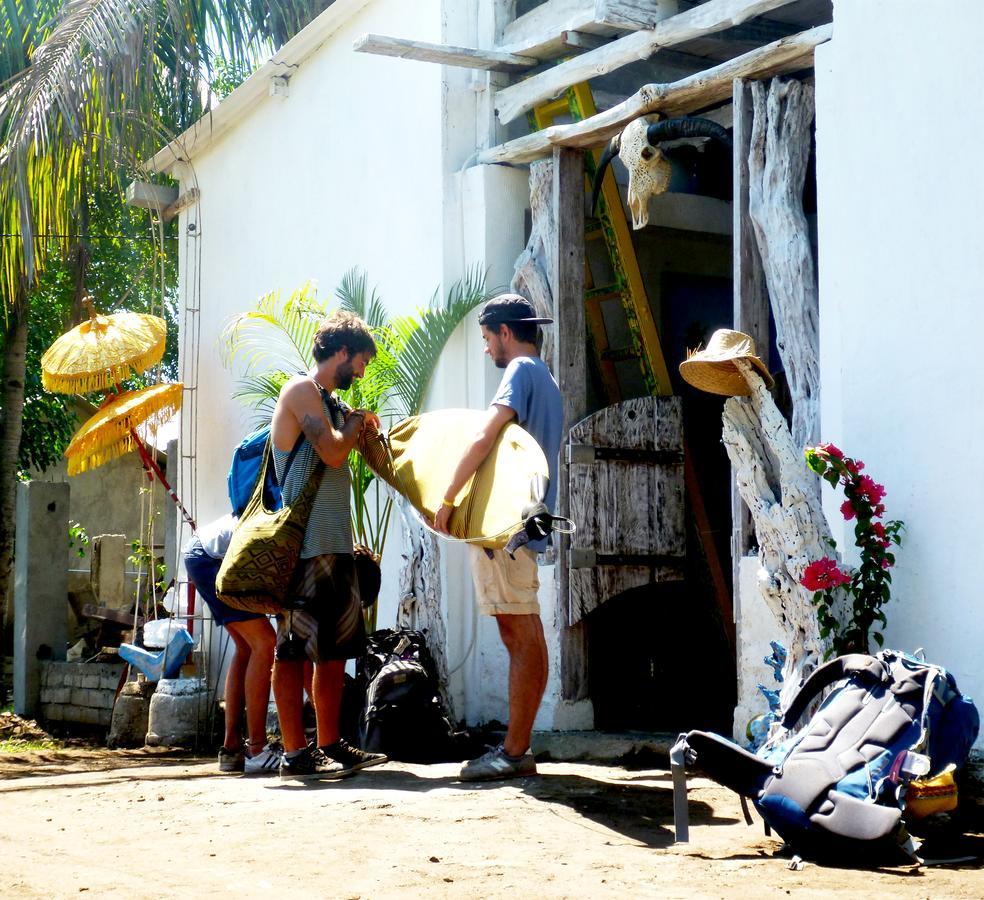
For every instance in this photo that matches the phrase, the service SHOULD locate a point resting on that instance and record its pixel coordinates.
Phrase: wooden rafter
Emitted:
(708, 18)
(695, 92)
(444, 54)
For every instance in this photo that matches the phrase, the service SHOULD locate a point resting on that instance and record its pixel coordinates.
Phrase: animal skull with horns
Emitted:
(649, 167)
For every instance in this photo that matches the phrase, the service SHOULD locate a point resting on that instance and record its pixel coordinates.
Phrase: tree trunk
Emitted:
(780, 150)
(15, 360)
(533, 267)
(773, 479)
(420, 593)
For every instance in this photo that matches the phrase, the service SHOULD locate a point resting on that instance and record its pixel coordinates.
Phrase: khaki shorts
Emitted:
(505, 586)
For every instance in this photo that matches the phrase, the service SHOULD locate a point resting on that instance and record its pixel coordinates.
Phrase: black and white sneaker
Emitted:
(351, 757)
(266, 762)
(311, 764)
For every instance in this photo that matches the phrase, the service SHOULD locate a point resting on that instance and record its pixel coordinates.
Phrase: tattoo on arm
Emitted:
(313, 428)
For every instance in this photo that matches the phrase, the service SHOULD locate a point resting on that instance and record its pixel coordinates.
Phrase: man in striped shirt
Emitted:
(325, 622)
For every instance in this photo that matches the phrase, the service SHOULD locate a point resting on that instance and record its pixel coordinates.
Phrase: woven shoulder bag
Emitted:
(259, 565)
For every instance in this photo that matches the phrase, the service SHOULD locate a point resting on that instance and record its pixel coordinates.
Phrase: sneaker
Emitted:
(351, 757)
(266, 762)
(230, 760)
(497, 764)
(312, 764)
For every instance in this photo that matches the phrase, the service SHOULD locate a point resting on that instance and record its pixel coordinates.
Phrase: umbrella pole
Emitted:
(152, 470)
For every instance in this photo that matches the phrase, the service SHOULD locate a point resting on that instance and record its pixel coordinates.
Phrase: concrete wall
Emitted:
(901, 269)
(344, 172)
(365, 164)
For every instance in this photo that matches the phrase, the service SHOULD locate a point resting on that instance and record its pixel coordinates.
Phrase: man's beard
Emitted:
(344, 376)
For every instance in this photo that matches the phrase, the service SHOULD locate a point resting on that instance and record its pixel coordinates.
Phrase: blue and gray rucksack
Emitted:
(837, 785)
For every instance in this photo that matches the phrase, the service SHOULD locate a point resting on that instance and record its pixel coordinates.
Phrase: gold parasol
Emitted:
(103, 351)
(110, 432)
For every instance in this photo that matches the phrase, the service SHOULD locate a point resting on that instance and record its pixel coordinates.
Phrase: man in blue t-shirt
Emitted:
(507, 588)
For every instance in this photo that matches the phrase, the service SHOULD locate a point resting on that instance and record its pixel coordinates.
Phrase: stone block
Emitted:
(109, 682)
(78, 697)
(128, 726)
(59, 695)
(54, 712)
(40, 586)
(88, 716)
(105, 699)
(90, 680)
(108, 570)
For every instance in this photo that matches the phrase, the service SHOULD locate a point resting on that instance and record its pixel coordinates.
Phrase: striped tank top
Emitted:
(329, 530)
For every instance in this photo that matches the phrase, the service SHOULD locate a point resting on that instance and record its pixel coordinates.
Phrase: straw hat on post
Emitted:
(713, 369)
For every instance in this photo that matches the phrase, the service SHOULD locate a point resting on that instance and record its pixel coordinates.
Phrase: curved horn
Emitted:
(611, 151)
(674, 129)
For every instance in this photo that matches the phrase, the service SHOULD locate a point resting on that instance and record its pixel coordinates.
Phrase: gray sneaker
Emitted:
(497, 764)
(230, 760)
(311, 764)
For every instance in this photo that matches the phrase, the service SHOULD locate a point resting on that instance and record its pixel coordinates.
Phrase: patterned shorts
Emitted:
(326, 619)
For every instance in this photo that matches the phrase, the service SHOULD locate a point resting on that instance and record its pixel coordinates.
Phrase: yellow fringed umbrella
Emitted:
(102, 352)
(110, 432)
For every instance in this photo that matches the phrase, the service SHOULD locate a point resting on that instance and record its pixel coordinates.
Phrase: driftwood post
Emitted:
(420, 593)
(537, 261)
(780, 150)
(782, 494)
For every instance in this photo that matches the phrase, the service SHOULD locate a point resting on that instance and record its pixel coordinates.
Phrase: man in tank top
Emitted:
(507, 587)
(325, 622)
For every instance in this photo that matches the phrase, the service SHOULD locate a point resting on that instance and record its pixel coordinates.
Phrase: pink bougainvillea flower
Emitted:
(830, 450)
(847, 511)
(869, 490)
(886, 563)
(878, 510)
(878, 530)
(854, 466)
(823, 574)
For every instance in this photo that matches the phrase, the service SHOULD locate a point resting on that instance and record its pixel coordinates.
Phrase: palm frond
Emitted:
(277, 335)
(418, 341)
(354, 296)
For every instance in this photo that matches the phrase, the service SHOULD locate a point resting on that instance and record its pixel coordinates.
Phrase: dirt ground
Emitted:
(163, 824)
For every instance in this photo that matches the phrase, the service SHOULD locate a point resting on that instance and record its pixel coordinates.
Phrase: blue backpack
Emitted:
(836, 786)
(247, 459)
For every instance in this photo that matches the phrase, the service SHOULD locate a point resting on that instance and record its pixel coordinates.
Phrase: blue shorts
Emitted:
(202, 570)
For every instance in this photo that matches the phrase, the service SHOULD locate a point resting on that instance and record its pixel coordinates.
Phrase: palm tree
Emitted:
(275, 340)
(88, 88)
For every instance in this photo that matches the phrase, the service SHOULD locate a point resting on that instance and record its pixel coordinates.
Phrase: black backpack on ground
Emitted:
(402, 715)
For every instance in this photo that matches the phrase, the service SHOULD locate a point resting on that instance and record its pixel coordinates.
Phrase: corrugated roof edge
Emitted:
(222, 118)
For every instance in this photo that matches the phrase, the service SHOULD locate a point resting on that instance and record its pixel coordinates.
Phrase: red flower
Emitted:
(878, 510)
(878, 530)
(830, 450)
(886, 563)
(847, 511)
(823, 574)
(869, 490)
(854, 466)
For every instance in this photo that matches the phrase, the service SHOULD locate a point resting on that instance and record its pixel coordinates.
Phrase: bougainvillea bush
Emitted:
(868, 587)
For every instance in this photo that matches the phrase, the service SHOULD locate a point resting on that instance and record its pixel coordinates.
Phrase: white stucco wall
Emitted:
(345, 171)
(901, 267)
(365, 163)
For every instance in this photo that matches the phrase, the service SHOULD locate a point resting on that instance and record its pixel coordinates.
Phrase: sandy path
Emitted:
(131, 824)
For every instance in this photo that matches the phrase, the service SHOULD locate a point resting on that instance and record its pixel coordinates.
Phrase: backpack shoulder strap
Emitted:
(852, 665)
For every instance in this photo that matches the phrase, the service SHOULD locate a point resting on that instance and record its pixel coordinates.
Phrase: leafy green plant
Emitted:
(78, 538)
(868, 587)
(143, 560)
(274, 341)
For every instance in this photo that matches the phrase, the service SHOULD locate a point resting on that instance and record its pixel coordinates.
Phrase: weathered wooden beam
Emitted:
(695, 92)
(185, 201)
(444, 54)
(751, 305)
(540, 32)
(708, 18)
(570, 370)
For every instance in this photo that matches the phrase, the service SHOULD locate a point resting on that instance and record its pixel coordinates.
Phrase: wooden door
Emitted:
(627, 498)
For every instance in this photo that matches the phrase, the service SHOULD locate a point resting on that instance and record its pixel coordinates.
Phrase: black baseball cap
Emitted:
(508, 308)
